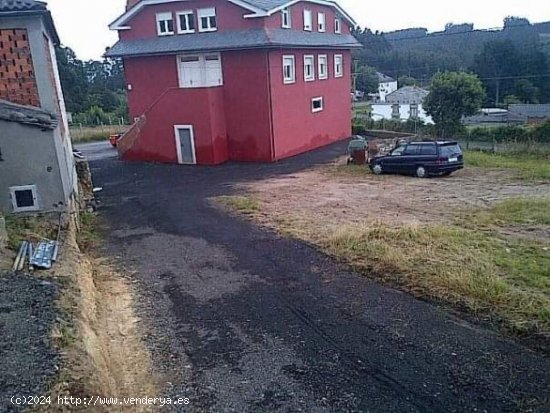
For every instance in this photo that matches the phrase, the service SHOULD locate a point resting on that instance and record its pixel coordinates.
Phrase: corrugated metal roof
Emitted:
(531, 110)
(21, 5)
(28, 115)
(246, 39)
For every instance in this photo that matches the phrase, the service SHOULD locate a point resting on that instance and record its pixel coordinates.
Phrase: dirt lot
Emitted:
(335, 195)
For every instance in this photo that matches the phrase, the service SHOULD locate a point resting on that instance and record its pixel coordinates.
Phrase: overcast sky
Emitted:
(82, 24)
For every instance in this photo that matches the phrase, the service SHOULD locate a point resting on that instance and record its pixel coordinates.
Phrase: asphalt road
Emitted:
(243, 320)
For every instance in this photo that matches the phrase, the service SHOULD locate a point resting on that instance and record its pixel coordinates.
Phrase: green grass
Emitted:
(515, 211)
(94, 134)
(242, 204)
(89, 237)
(29, 228)
(529, 167)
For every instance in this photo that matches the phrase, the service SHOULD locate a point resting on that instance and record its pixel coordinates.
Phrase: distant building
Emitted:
(408, 95)
(37, 171)
(395, 111)
(531, 113)
(386, 86)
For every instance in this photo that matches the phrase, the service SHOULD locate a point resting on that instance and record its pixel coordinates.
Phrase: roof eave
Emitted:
(48, 20)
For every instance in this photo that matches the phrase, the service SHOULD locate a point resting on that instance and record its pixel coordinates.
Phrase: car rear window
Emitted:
(450, 150)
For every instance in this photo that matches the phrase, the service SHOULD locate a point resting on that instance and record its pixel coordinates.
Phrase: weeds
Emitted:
(529, 167)
(33, 228)
(243, 204)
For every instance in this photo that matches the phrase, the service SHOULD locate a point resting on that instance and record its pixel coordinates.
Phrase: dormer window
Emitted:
(321, 22)
(308, 20)
(337, 26)
(186, 22)
(285, 15)
(207, 20)
(165, 24)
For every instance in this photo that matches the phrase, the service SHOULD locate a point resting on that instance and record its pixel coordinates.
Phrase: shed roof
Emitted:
(235, 40)
(27, 115)
(15, 8)
(382, 78)
(531, 110)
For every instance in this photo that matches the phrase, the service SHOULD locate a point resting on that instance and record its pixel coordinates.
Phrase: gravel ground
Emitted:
(27, 358)
(244, 320)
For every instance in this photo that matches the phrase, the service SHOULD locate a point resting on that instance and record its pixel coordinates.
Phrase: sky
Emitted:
(82, 24)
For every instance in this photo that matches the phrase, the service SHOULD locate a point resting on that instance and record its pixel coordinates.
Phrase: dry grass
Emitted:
(242, 204)
(92, 134)
(31, 228)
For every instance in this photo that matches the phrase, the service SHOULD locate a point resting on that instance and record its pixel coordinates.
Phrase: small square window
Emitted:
(337, 26)
(289, 69)
(207, 20)
(309, 68)
(186, 22)
(321, 22)
(308, 20)
(24, 198)
(286, 18)
(165, 24)
(317, 104)
(322, 61)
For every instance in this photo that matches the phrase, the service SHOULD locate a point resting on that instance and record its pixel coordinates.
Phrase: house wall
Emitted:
(40, 50)
(247, 107)
(29, 157)
(296, 128)
(166, 105)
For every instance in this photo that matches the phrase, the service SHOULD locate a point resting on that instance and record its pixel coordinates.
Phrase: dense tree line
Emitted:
(94, 90)
(513, 62)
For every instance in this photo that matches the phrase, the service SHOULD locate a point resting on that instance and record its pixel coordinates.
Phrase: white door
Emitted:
(185, 144)
(190, 71)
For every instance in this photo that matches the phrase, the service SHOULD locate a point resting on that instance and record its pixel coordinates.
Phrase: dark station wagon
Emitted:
(421, 159)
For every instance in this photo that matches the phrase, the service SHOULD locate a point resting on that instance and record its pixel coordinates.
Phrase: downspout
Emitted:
(271, 127)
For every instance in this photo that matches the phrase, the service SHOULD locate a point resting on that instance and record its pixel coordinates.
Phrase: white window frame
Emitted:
(207, 12)
(337, 25)
(163, 17)
(318, 99)
(308, 15)
(14, 189)
(202, 67)
(292, 79)
(338, 58)
(310, 78)
(321, 22)
(286, 18)
(178, 144)
(184, 14)
(322, 58)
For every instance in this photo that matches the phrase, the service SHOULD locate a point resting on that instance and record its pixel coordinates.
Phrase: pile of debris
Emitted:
(43, 256)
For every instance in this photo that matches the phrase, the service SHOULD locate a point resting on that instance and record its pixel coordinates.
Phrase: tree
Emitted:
(367, 79)
(452, 96)
(406, 81)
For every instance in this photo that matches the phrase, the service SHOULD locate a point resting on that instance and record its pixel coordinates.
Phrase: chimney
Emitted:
(131, 3)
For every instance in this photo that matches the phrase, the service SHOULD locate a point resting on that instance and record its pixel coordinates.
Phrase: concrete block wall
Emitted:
(17, 77)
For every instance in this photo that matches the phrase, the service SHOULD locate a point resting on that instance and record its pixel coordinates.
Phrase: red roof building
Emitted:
(245, 80)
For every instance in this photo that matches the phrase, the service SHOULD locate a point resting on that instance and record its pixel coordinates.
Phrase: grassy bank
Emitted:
(487, 261)
(529, 167)
(94, 134)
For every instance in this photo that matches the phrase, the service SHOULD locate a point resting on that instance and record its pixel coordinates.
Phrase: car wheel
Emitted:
(421, 172)
(377, 169)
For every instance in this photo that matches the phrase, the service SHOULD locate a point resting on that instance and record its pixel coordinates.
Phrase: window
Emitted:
(398, 151)
(289, 70)
(24, 198)
(321, 22)
(412, 150)
(322, 61)
(428, 149)
(285, 15)
(317, 104)
(186, 22)
(165, 24)
(338, 65)
(337, 26)
(309, 71)
(207, 20)
(308, 20)
(200, 71)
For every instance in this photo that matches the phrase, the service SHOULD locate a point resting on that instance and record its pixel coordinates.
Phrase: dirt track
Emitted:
(241, 319)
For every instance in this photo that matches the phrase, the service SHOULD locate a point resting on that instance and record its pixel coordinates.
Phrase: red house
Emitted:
(245, 80)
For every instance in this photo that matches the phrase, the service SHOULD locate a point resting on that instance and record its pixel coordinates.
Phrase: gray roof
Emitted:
(27, 115)
(531, 111)
(10, 8)
(235, 40)
(21, 5)
(382, 78)
(266, 4)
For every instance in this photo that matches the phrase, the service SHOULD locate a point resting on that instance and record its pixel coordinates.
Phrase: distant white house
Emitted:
(386, 86)
(403, 104)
